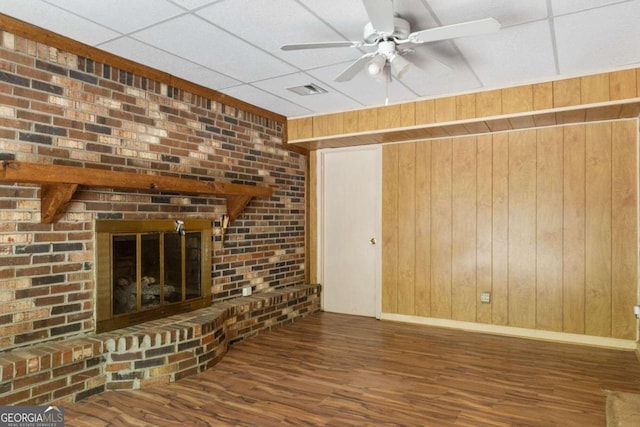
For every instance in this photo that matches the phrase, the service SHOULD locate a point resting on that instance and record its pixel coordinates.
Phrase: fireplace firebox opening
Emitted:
(150, 269)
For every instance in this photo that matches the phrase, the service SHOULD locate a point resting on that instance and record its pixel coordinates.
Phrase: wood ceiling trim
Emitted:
(604, 96)
(615, 111)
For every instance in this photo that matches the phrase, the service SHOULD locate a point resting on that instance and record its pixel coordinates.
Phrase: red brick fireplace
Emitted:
(94, 112)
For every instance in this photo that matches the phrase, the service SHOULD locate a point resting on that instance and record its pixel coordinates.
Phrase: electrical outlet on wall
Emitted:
(485, 297)
(246, 291)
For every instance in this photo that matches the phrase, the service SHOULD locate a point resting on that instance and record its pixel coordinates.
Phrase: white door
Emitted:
(350, 215)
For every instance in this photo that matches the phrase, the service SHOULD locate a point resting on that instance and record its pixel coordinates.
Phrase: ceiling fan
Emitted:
(392, 37)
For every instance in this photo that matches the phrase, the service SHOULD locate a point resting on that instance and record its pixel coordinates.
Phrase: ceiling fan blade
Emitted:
(320, 45)
(436, 68)
(354, 68)
(381, 15)
(430, 65)
(464, 29)
(425, 61)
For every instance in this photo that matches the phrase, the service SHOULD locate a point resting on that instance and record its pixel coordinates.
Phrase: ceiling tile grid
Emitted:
(233, 46)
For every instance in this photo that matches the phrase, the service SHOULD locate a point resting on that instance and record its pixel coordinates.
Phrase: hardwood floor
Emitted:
(337, 370)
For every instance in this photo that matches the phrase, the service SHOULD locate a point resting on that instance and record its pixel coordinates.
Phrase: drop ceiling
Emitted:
(233, 46)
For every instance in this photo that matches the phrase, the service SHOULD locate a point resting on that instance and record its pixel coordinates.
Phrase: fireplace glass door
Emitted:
(151, 270)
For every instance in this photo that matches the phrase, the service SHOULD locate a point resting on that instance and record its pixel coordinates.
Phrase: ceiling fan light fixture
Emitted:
(376, 65)
(384, 76)
(399, 66)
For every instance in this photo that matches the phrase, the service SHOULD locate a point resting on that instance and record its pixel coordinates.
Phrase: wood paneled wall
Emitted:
(544, 219)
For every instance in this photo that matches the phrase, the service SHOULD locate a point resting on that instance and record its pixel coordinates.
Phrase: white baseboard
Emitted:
(515, 332)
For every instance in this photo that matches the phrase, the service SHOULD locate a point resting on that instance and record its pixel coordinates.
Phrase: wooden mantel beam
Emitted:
(60, 182)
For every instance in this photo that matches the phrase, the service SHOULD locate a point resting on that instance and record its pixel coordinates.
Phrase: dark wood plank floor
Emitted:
(337, 370)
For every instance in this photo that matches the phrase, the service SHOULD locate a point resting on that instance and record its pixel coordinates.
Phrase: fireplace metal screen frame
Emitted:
(106, 319)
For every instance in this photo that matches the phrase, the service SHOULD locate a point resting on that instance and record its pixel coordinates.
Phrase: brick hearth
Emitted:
(159, 351)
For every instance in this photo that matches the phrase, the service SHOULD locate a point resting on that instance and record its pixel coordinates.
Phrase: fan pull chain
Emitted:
(386, 91)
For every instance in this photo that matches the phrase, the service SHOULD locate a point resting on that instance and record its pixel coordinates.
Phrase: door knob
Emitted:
(373, 241)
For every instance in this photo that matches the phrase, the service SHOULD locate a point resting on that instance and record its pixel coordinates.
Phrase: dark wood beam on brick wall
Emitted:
(58, 184)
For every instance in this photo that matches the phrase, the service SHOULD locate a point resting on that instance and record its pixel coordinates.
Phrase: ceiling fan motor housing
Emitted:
(401, 31)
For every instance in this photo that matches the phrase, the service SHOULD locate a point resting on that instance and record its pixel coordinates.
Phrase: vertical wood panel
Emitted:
(367, 119)
(594, 88)
(445, 109)
(389, 116)
(624, 218)
(463, 269)
(423, 228)
(390, 228)
(500, 230)
(622, 84)
(425, 111)
(544, 219)
(312, 219)
(574, 229)
(320, 125)
(543, 96)
(549, 229)
(598, 230)
(489, 103)
(441, 228)
(466, 106)
(300, 128)
(566, 92)
(350, 121)
(406, 228)
(522, 229)
(484, 226)
(517, 99)
(335, 123)
(292, 129)
(407, 114)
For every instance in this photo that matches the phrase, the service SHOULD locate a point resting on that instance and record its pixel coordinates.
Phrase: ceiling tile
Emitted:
(124, 16)
(266, 100)
(155, 58)
(326, 102)
(193, 4)
(513, 55)
(347, 21)
(57, 20)
(193, 39)
(425, 82)
(615, 43)
(562, 7)
(362, 88)
(507, 12)
(294, 24)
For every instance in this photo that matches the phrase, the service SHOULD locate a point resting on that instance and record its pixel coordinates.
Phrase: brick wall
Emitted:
(57, 107)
